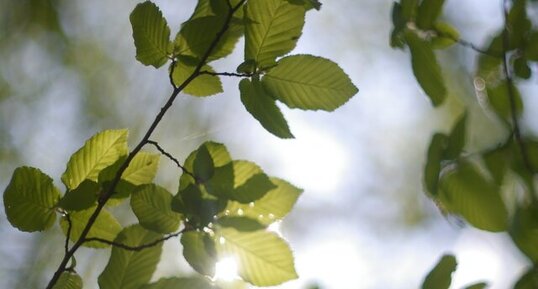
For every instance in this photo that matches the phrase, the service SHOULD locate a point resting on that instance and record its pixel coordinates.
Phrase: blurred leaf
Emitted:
(456, 139)
(99, 152)
(263, 258)
(242, 224)
(529, 280)
(428, 12)
(426, 69)
(499, 99)
(308, 4)
(521, 68)
(309, 82)
(440, 276)
(202, 85)
(199, 251)
(68, 280)
(152, 206)
(131, 269)
(203, 164)
(274, 30)
(447, 35)
(531, 51)
(432, 168)
(81, 198)
(263, 108)
(105, 226)
(409, 9)
(518, 23)
(524, 231)
(151, 34)
(498, 161)
(467, 193)
(481, 285)
(490, 67)
(29, 200)
(181, 283)
(399, 23)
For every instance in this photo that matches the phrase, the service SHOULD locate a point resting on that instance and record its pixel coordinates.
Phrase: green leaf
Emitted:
(99, 152)
(253, 189)
(524, 231)
(203, 164)
(199, 250)
(181, 283)
(263, 258)
(531, 50)
(221, 184)
(432, 168)
(130, 269)
(81, 198)
(468, 193)
(529, 280)
(242, 224)
(440, 276)
(456, 139)
(480, 285)
(68, 280)
(152, 206)
(274, 30)
(428, 12)
(105, 226)
(202, 85)
(489, 67)
(263, 108)
(521, 68)
(497, 161)
(518, 23)
(142, 169)
(219, 154)
(29, 200)
(196, 205)
(499, 99)
(426, 69)
(409, 9)
(309, 82)
(151, 34)
(274, 206)
(447, 35)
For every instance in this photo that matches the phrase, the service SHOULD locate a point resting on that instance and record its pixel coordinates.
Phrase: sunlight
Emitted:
(226, 269)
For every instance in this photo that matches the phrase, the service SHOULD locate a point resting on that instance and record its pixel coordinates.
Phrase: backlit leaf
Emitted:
(531, 50)
(250, 183)
(81, 198)
(219, 154)
(142, 169)
(447, 35)
(68, 280)
(499, 99)
(308, 4)
(242, 224)
(456, 139)
(440, 276)
(309, 82)
(432, 168)
(152, 206)
(181, 283)
(203, 164)
(29, 200)
(105, 226)
(524, 231)
(199, 250)
(529, 280)
(202, 85)
(428, 12)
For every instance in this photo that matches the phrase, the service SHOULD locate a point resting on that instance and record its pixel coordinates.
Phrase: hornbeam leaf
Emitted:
(152, 206)
(263, 108)
(151, 34)
(99, 152)
(274, 30)
(274, 206)
(29, 200)
(81, 198)
(432, 168)
(202, 85)
(426, 68)
(68, 280)
(529, 280)
(447, 35)
(524, 231)
(105, 226)
(181, 283)
(219, 154)
(479, 285)
(440, 276)
(456, 139)
(308, 4)
(499, 99)
(428, 12)
(199, 250)
(131, 269)
(309, 82)
(249, 182)
(203, 166)
(263, 258)
(142, 169)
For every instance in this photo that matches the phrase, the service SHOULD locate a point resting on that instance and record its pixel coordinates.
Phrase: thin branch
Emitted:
(227, 74)
(135, 248)
(108, 193)
(68, 233)
(170, 75)
(171, 157)
(469, 44)
(512, 99)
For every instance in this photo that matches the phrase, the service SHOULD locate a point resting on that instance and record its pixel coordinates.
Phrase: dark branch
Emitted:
(171, 157)
(469, 44)
(135, 248)
(227, 74)
(68, 233)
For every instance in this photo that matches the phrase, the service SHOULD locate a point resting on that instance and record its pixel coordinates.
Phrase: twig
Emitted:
(171, 157)
(68, 233)
(170, 75)
(135, 248)
(104, 198)
(227, 74)
(469, 44)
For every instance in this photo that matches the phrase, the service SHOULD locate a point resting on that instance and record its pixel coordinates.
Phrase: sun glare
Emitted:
(226, 269)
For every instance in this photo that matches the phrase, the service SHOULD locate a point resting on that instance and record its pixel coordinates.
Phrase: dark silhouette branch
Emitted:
(135, 248)
(109, 192)
(172, 158)
(226, 74)
(68, 233)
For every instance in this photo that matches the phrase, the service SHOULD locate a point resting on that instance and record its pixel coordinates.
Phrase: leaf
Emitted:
(409, 9)
(529, 280)
(308, 4)
(68, 280)
(309, 82)
(199, 251)
(253, 189)
(263, 108)
(499, 99)
(130, 269)
(447, 35)
(467, 193)
(263, 258)
(274, 30)
(105, 226)
(219, 155)
(456, 139)
(221, 184)
(428, 12)
(29, 200)
(198, 209)
(99, 152)
(518, 24)
(426, 69)
(151, 34)
(399, 23)
(440, 276)
(432, 168)
(203, 164)
(142, 169)
(480, 285)
(531, 50)
(81, 198)
(242, 224)
(180, 283)
(521, 68)
(497, 161)
(202, 85)
(274, 206)
(152, 206)
(524, 231)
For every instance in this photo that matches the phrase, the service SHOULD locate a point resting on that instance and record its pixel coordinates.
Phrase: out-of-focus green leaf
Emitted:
(432, 168)
(81, 198)
(499, 99)
(440, 276)
(263, 258)
(203, 164)
(480, 285)
(105, 226)
(308, 4)
(524, 231)
(456, 139)
(68, 280)
(151, 34)
(99, 152)
(152, 206)
(409, 9)
(465, 191)
(274, 30)
(202, 85)
(428, 12)
(181, 283)
(309, 82)
(242, 224)
(29, 200)
(521, 68)
(131, 269)
(531, 51)
(399, 23)
(426, 69)
(263, 108)
(529, 280)
(518, 23)
(447, 35)
(498, 161)
(199, 250)
(490, 67)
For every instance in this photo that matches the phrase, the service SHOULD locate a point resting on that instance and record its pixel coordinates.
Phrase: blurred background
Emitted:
(67, 71)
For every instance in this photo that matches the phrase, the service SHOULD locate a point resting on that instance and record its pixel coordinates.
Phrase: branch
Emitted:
(512, 98)
(108, 193)
(68, 233)
(227, 74)
(469, 44)
(135, 248)
(172, 158)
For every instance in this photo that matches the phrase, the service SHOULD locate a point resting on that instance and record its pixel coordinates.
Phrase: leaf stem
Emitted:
(135, 248)
(227, 74)
(172, 158)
